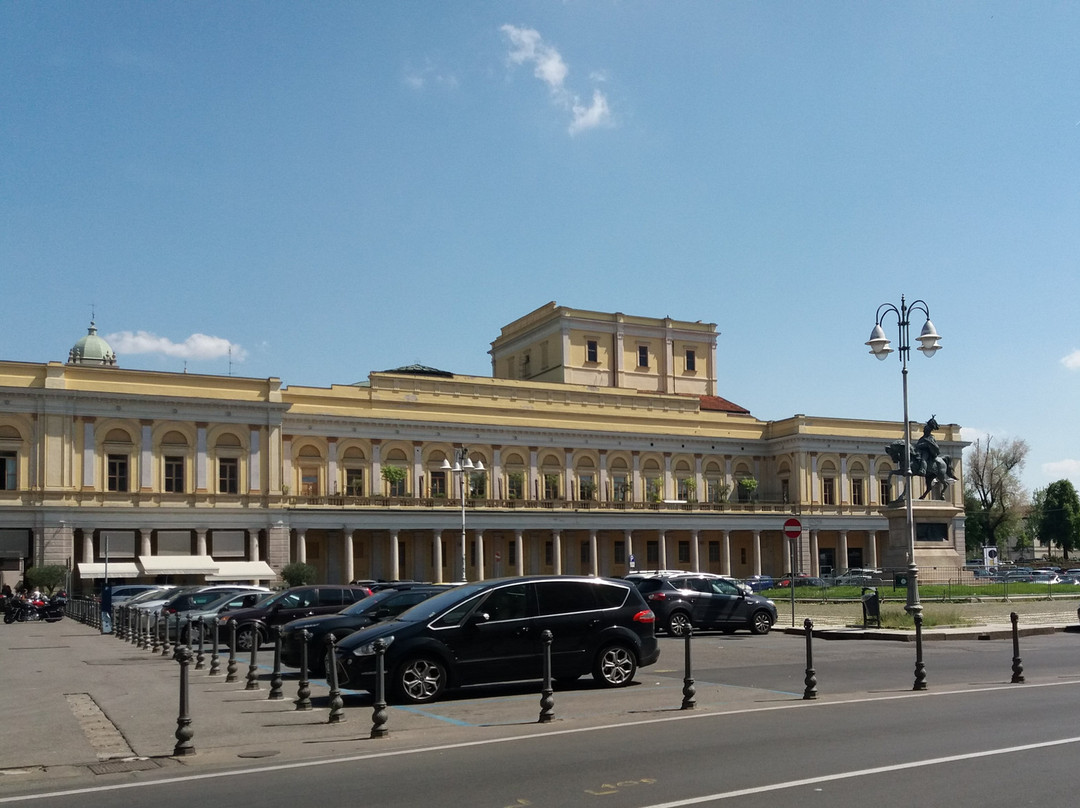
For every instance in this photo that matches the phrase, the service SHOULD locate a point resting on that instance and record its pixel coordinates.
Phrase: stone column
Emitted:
(725, 552)
(436, 547)
(841, 552)
(479, 554)
(88, 546)
(661, 561)
(815, 557)
(594, 556)
(757, 552)
(629, 534)
(519, 552)
(200, 541)
(695, 551)
(301, 545)
(871, 548)
(347, 550)
(556, 546)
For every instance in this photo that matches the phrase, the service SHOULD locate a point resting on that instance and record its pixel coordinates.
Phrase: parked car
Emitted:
(253, 625)
(705, 601)
(492, 631)
(801, 579)
(759, 583)
(184, 602)
(382, 605)
(124, 592)
(225, 601)
(858, 576)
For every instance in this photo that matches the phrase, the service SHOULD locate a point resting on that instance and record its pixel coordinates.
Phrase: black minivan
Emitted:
(491, 631)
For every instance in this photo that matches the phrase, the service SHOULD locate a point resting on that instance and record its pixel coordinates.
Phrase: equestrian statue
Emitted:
(926, 460)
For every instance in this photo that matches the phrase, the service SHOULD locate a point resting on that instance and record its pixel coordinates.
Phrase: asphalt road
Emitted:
(972, 739)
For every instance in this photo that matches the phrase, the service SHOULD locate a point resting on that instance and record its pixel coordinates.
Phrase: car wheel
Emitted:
(246, 636)
(678, 624)
(615, 666)
(760, 622)
(420, 680)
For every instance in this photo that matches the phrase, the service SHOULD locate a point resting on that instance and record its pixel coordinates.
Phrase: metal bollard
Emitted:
(145, 644)
(547, 697)
(1017, 667)
(215, 659)
(200, 659)
(378, 713)
(165, 649)
(920, 668)
(688, 689)
(811, 678)
(230, 669)
(275, 677)
(187, 629)
(184, 732)
(253, 665)
(337, 705)
(155, 634)
(303, 692)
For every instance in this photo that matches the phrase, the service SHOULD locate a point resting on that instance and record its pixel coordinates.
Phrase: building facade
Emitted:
(608, 457)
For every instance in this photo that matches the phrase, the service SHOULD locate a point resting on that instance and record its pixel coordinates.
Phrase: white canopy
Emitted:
(242, 571)
(177, 565)
(117, 569)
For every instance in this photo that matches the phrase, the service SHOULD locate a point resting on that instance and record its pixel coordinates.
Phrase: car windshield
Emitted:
(150, 594)
(432, 606)
(370, 602)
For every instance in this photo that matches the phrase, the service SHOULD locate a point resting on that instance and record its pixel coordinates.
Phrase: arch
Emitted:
(118, 435)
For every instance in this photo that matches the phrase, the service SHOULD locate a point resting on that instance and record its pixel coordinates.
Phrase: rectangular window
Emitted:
(620, 489)
(477, 485)
(643, 356)
(586, 487)
(654, 490)
(511, 553)
(551, 486)
(857, 492)
(229, 476)
(785, 490)
(717, 492)
(515, 485)
(592, 352)
(620, 552)
(652, 554)
(586, 556)
(398, 487)
(117, 472)
(885, 491)
(438, 484)
(354, 482)
(684, 552)
(714, 552)
(228, 544)
(9, 463)
(174, 475)
(691, 360)
(828, 491)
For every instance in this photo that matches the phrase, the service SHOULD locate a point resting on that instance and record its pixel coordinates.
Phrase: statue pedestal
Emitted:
(938, 541)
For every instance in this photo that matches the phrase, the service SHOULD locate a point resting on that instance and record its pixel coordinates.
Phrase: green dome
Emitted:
(92, 350)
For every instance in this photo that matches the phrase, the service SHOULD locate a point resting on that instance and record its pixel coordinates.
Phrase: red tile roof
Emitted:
(718, 404)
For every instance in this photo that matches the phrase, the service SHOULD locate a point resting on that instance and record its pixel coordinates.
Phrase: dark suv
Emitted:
(381, 606)
(491, 631)
(705, 601)
(254, 624)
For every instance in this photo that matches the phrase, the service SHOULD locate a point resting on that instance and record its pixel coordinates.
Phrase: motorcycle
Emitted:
(23, 610)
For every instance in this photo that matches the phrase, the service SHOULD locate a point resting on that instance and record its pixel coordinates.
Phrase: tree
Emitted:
(1060, 518)
(395, 477)
(298, 574)
(47, 577)
(992, 483)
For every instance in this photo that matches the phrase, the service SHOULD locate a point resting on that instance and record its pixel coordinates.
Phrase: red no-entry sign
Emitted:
(793, 528)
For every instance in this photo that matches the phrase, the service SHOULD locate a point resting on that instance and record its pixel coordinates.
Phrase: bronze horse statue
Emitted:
(926, 459)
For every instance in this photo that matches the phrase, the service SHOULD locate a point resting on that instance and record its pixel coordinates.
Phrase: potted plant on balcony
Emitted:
(747, 489)
(395, 477)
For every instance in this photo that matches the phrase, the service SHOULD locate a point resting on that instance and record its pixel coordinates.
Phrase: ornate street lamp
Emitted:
(879, 347)
(463, 466)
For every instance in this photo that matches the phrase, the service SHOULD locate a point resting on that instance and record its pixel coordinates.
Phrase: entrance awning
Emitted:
(242, 571)
(117, 569)
(177, 565)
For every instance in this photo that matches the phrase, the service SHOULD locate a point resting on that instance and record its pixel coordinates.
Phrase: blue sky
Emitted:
(335, 188)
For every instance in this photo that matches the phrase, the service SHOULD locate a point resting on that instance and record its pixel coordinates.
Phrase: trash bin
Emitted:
(900, 580)
(871, 606)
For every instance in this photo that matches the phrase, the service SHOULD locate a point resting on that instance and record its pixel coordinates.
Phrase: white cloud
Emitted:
(591, 117)
(1060, 469)
(528, 47)
(1072, 361)
(419, 78)
(197, 346)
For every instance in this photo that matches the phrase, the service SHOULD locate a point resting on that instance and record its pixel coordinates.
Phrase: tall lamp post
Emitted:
(879, 347)
(462, 467)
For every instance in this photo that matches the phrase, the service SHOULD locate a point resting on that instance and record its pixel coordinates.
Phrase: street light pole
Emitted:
(463, 466)
(879, 347)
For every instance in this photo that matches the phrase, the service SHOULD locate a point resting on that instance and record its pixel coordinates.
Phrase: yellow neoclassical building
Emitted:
(598, 445)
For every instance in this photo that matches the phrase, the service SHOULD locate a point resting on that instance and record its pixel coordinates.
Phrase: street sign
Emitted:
(793, 528)
(498, 555)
